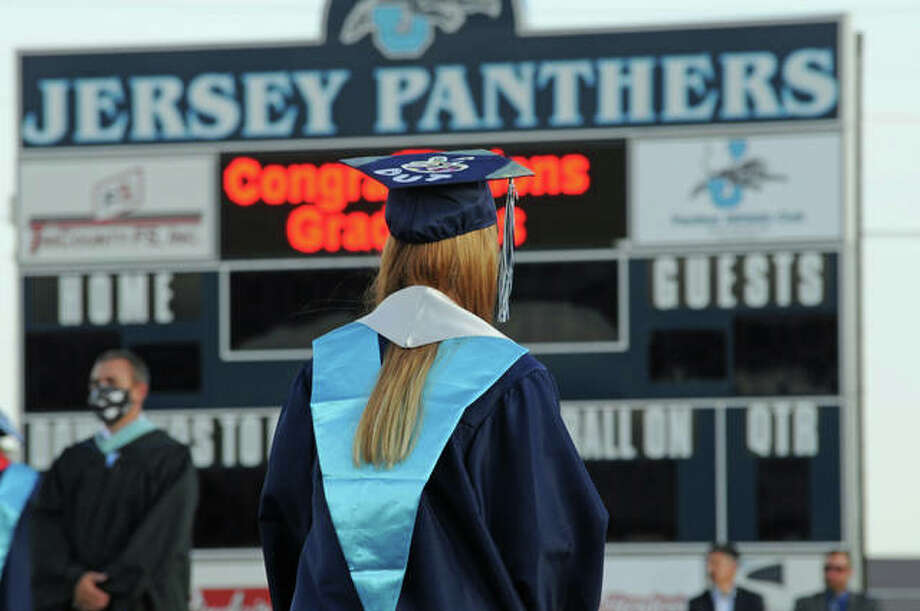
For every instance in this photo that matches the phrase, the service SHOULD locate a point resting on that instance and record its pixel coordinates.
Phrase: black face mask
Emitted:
(109, 402)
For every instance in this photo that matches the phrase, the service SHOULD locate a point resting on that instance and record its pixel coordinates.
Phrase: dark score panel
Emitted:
(218, 489)
(736, 324)
(784, 472)
(279, 310)
(786, 354)
(70, 319)
(682, 355)
(783, 499)
(291, 204)
(576, 301)
(653, 466)
(106, 299)
(640, 499)
(58, 365)
(551, 302)
(174, 366)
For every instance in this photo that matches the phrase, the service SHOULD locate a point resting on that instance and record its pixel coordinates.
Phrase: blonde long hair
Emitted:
(464, 268)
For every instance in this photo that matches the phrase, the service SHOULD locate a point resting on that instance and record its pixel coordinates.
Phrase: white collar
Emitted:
(419, 315)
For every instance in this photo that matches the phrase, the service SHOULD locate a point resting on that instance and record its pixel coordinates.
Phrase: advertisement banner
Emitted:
(231, 599)
(652, 583)
(116, 209)
(718, 190)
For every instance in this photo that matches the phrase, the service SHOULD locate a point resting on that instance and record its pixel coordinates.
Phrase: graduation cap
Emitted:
(435, 196)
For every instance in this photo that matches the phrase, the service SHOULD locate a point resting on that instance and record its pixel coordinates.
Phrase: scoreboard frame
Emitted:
(845, 248)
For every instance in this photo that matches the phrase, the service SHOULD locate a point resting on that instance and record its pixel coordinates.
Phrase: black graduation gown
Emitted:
(132, 521)
(508, 520)
(16, 580)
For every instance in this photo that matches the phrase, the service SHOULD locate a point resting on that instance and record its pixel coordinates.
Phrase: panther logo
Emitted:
(404, 29)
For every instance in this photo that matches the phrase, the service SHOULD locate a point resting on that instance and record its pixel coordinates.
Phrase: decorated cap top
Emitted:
(435, 196)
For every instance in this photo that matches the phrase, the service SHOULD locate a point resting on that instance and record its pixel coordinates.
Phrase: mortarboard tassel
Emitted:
(506, 264)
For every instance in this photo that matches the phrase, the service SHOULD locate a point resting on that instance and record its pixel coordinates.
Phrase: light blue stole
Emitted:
(16, 486)
(373, 509)
(109, 446)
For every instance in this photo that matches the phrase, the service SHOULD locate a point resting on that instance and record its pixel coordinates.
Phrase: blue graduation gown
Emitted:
(16, 578)
(509, 518)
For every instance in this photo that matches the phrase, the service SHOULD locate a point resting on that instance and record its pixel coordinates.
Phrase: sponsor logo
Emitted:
(116, 221)
(404, 29)
(118, 195)
(727, 183)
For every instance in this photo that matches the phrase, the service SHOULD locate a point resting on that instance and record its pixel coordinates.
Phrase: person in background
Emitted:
(113, 517)
(836, 595)
(17, 486)
(724, 595)
(421, 460)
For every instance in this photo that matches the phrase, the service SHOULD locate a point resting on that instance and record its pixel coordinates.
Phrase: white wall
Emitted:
(891, 253)
(892, 391)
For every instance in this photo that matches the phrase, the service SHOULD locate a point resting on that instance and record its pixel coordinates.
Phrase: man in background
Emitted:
(113, 518)
(724, 595)
(836, 596)
(17, 484)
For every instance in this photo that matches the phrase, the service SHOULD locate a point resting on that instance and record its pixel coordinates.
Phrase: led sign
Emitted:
(332, 186)
(286, 204)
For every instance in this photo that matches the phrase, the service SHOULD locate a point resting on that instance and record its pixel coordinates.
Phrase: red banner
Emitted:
(231, 599)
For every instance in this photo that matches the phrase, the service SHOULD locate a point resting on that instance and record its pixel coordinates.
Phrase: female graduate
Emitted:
(420, 461)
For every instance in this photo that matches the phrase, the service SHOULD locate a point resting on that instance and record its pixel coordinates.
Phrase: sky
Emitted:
(891, 170)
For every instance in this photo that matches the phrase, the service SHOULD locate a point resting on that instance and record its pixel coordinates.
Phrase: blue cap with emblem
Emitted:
(435, 196)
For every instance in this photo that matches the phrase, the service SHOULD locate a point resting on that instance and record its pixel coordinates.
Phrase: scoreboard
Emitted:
(686, 259)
